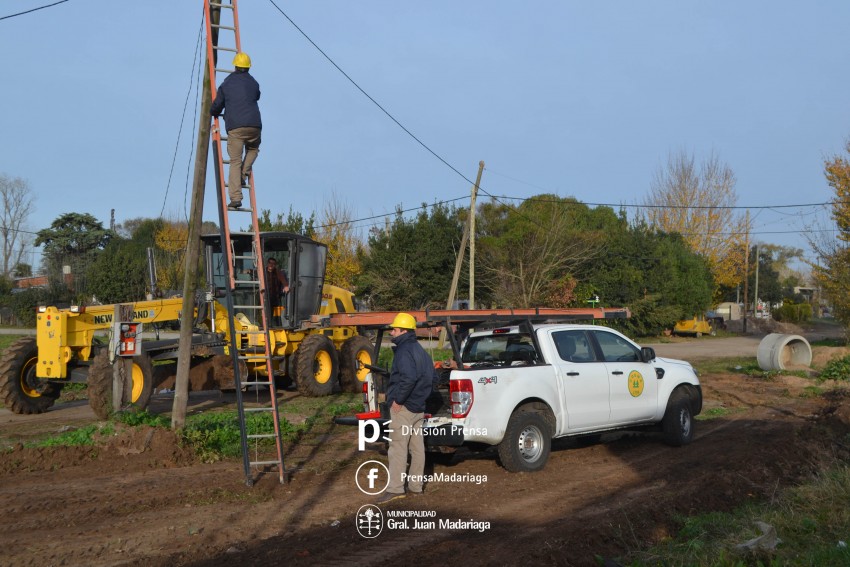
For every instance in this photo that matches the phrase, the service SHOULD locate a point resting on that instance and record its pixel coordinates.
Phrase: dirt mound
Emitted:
(822, 355)
(210, 373)
(764, 327)
(126, 449)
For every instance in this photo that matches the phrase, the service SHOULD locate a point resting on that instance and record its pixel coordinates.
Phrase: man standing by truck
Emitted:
(412, 378)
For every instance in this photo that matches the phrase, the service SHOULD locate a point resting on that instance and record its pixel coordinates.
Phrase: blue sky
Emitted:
(582, 99)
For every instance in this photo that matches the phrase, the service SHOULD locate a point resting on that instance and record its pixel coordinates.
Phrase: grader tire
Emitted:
(355, 352)
(100, 384)
(20, 389)
(316, 366)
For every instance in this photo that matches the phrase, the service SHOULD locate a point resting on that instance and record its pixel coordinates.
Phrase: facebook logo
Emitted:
(369, 431)
(372, 477)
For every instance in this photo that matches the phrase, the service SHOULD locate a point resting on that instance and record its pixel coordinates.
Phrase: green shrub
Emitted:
(836, 369)
(793, 312)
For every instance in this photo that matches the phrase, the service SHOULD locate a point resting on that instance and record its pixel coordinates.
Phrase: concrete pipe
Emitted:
(778, 352)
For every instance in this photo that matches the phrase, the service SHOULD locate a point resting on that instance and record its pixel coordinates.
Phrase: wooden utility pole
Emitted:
(460, 253)
(122, 366)
(193, 249)
(472, 238)
(746, 269)
(756, 286)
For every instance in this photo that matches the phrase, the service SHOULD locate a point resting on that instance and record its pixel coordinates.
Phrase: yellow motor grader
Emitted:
(307, 350)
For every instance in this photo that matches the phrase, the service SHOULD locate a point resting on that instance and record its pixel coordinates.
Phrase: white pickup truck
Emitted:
(519, 387)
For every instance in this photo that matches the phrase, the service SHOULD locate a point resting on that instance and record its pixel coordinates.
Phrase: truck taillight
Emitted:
(370, 396)
(461, 397)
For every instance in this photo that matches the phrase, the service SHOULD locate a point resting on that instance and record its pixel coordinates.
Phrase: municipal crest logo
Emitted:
(635, 383)
(370, 521)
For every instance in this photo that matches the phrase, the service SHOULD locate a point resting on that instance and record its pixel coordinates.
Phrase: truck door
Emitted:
(633, 383)
(585, 380)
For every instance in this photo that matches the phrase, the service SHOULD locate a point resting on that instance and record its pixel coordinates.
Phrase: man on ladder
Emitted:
(239, 93)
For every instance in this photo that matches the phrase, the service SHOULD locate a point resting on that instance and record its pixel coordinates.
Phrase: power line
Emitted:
(367, 95)
(33, 10)
(183, 116)
(649, 206)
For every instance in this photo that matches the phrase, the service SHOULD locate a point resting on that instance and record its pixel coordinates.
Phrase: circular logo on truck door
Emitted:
(635, 383)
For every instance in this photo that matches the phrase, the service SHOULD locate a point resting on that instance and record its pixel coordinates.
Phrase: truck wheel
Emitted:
(22, 391)
(527, 443)
(100, 384)
(355, 352)
(678, 421)
(316, 366)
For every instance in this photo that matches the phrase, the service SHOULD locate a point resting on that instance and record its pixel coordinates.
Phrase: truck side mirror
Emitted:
(647, 354)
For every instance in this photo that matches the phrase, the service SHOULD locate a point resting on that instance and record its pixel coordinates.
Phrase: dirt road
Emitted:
(142, 500)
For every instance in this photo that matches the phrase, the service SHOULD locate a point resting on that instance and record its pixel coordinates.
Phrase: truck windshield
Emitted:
(502, 348)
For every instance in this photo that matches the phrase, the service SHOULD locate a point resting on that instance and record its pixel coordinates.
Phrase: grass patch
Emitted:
(811, 392)
(713, 413)
(836, 369)
(76, 437)
(143, 417)
(215, 435)
(829, 342)
(745, 366)
(811, 520)
(6, 340)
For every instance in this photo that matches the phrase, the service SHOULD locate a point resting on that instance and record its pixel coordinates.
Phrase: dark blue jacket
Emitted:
(412, 375)
(239, 93)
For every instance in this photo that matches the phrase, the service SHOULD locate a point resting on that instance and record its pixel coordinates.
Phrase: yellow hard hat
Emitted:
(242, 60)
(404, 321)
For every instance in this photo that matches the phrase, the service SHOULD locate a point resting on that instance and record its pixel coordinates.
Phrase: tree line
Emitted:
(682, 254)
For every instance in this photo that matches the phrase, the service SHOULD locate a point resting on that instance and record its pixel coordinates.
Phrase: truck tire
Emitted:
(316, 366)
(678, 421)
(527, 442)
(355, 352)
(100, 384)
(20, 389)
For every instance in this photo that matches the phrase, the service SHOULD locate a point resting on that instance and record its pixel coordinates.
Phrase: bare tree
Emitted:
(697, 202)
(17, 204)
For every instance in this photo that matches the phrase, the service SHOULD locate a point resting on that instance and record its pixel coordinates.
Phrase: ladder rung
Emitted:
(247, 307)
(220, 48)
(256, 463)
(217, 70)
(221, 27)
(258, 409)
(249, 257)
(217, 5)
(255, 383)
(261, 436)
